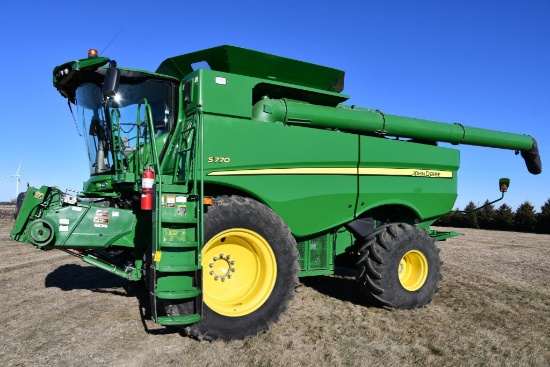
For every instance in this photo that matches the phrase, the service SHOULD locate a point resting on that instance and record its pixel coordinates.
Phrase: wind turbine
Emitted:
(17, 175)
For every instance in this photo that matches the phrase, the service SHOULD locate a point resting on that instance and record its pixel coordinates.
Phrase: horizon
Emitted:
(433, 60)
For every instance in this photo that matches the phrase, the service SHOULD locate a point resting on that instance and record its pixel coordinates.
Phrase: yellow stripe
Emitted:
(288, 171)
(338, 171)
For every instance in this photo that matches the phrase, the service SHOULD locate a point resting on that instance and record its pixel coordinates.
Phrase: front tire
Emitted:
(249, 269)
(399, 267)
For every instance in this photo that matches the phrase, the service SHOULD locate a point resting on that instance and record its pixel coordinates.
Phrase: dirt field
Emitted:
(493, 310)
(6, 212)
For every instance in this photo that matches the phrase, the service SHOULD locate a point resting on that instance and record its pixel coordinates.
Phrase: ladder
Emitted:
(174, 269)
(175, 272)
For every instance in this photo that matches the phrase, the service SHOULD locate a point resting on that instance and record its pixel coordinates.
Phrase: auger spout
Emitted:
(374, 122)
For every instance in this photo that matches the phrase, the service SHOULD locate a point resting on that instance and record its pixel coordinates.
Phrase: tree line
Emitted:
(524, 219)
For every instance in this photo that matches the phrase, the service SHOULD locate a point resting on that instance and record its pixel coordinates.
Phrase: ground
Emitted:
(6, 212)
(493, 310)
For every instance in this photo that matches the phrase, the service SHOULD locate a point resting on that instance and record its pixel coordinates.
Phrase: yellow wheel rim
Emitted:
(239, 272)
(413, 270)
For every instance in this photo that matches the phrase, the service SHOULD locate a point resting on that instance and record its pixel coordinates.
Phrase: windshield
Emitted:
(125, 125)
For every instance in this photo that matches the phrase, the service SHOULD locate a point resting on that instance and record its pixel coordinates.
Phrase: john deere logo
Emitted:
(426, 173)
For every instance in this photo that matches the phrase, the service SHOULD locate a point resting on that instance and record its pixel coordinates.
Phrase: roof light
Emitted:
(92, 53)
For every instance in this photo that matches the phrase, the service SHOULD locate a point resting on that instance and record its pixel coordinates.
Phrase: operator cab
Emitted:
(126, 116)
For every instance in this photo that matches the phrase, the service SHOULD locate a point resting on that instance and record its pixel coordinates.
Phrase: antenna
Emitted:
(111, 41)
(17, 175)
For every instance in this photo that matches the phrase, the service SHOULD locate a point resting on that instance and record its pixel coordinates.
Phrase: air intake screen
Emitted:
(314, 254)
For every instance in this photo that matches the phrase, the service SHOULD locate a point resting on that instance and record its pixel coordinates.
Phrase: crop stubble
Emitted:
(493, 309)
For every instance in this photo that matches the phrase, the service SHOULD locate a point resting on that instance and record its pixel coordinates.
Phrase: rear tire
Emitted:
(399, 267)
(250, 267)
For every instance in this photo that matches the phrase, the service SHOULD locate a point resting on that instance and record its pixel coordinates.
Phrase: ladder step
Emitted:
(177, 268)
(178, 320)
(179, 294)
(179, 219)
(183, 244)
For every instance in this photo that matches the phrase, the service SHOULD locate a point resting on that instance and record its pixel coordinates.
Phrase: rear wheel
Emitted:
(399, 267)
(249, 269)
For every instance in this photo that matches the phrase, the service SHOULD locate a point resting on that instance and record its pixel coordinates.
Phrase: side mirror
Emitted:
(503, 184)
(111, 82)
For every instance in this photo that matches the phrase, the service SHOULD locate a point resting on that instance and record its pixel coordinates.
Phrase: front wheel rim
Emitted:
(239, 272)
(413, 270)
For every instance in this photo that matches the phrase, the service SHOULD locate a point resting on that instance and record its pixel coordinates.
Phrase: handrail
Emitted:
(200, 204)
(116, 141)
(149, 138)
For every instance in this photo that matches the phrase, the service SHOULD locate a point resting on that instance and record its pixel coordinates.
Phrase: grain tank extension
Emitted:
(225, 175)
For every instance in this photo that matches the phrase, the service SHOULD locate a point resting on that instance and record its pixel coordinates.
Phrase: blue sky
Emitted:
(480, 63)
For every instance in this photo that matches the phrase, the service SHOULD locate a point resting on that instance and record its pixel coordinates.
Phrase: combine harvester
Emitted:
(220, 186)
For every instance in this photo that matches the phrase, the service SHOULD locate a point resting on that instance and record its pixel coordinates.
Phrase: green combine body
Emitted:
(261, 176)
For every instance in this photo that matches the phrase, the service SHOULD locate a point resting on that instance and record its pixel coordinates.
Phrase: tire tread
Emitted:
(379, 258)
